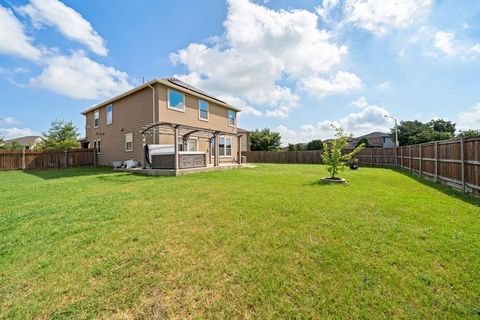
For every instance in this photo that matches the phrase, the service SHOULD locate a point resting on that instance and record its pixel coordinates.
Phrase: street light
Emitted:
(396, 128)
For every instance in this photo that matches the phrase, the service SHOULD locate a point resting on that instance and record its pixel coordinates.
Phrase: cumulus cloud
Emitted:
(75, 75)
(469, 119)
(339, 83)
(260, 49)
(384, 85)
(370, 118)
(379, 16)
(444, 42)
(68, 22)
(13, 38)
(79, 77)
(9, 120)
(241, 104)
(11, 133)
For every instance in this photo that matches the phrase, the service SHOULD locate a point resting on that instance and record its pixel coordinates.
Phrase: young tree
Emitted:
(471, 133)
(61, 135)
(315, 144)
(265, 140)
(332, 154)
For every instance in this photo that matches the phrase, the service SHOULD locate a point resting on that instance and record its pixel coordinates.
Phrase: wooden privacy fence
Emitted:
(48, 159)
(453, 162)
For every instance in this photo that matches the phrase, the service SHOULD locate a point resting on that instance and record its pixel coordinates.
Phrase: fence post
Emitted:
(396, 157)
(65, 159)
(384, 157)
(420, 160)
(463, 163)
(410, 158)
(401, 158)
(371, 157)
(95, 157)
(24, 165)
(436, 161)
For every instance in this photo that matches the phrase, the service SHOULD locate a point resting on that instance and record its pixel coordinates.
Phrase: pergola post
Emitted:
(239, 137)
(175, 137)
(217, 150)
(144, 153)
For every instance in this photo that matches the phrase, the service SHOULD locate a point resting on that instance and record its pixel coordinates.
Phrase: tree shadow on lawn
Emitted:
(69, 172)
(450, 191)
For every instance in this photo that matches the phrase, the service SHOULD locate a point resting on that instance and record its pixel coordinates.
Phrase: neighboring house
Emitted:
(152, 114)
(375, 140)
(27, 142)
(245, 141)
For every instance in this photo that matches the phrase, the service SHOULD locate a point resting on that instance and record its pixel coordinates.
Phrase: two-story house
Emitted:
(164, 117)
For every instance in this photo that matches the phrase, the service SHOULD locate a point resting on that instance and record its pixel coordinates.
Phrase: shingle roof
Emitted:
(24, 141)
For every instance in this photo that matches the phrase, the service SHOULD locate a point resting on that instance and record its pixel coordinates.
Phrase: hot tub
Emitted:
(163, 157)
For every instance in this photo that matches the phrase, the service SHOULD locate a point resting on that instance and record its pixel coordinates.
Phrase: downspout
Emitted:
(154, 111)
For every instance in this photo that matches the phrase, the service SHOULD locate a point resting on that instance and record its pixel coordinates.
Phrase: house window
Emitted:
(96, 118)
(97, 146)
(191, 144)
(231, 118)
(202, 110)
(129, 141)
(176, 100)
(109, 114)
(224, 146)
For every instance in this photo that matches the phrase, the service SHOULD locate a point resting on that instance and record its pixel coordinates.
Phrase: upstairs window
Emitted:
(109, 114)
(129, 141)
(96, 118)
(202, 110)
(176, 100)
(231, 118)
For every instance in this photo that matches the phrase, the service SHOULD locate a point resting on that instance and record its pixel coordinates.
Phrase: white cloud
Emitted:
(13, 38)
(261, 48)
(11, 133)
(241, 104)
(79, 77)
(341, 82)
(475, 48)
(470, 119)
(380, 16)
(9, 120)
(444, 42)
(370, 118)
(384, 85)
(68, 21)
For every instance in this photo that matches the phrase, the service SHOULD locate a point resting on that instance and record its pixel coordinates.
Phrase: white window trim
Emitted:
(126, 150)
(234, 119)
(95, 143)
(194, 138)
(199, 110)
(231, 147)
(174, 108)
(106, 115)
(95, 117)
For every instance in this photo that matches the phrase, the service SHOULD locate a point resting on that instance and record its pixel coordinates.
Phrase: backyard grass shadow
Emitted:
(69, 172)
(471, 199)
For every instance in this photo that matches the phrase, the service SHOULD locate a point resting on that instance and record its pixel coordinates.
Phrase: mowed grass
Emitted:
(262, 242)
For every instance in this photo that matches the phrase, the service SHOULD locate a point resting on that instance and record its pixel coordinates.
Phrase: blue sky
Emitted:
(294, 66)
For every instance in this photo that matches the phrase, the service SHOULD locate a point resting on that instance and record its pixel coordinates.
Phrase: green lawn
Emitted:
(263, 242)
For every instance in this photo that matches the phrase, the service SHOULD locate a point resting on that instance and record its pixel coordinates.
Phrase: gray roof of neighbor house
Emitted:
(374, 135)
(173, 83)
(24, 141)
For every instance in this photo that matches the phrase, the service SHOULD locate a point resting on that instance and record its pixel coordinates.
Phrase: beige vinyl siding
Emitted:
(131, 113)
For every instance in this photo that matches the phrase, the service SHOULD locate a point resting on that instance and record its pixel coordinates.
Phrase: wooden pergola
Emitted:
(185, 132)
